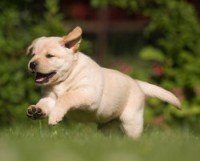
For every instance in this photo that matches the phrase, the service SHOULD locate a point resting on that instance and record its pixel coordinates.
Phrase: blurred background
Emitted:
(153, 40)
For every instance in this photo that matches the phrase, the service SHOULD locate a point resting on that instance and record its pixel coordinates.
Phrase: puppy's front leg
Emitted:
(64, 103)
(42, 108)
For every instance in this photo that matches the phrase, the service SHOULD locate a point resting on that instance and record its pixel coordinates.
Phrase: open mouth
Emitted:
(43, 78)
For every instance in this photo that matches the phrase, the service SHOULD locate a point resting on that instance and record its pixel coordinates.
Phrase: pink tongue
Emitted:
(40, 79)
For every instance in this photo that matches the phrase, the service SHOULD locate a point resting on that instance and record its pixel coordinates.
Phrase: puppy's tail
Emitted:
(158, 92)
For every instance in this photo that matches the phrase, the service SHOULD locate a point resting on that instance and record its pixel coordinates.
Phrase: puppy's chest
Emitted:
(60, 89)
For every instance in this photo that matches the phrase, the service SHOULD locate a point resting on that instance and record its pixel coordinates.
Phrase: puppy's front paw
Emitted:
(34, 112)
(54, 118)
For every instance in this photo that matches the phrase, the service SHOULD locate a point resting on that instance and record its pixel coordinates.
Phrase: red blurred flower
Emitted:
(79, 10)
(125, 67)
(158, 70)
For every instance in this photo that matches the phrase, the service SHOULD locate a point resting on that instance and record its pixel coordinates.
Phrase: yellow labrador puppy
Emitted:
(73, 81)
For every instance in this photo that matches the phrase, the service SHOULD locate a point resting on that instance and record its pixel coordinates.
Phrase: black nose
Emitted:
(33, 65)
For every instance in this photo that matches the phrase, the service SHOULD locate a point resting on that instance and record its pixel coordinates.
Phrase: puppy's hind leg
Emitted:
(132, 117)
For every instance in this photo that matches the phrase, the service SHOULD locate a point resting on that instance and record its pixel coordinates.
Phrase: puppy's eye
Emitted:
(50, 56)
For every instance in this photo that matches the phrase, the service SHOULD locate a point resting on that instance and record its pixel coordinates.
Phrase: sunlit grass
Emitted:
(78, 142)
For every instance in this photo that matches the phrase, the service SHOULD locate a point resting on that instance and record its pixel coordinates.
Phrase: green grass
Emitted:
(79, 142)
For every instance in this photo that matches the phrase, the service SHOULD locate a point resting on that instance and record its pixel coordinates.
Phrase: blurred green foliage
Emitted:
(173, 49)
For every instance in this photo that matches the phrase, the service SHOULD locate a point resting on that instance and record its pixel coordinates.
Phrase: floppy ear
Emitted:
(30, 47)
(73, 39)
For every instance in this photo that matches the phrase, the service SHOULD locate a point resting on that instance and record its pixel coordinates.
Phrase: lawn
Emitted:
(79, 142)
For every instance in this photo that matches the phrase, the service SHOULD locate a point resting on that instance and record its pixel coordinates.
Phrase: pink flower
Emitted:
(125, 67)
(158, 70)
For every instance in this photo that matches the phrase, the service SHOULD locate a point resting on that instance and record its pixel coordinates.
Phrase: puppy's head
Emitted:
(53, 57)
